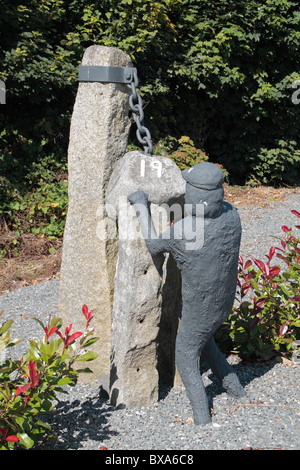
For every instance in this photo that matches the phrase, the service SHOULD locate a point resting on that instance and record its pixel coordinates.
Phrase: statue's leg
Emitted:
(189, 343)
(222, 370)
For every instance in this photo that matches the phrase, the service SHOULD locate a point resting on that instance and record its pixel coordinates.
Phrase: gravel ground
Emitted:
(269, 419)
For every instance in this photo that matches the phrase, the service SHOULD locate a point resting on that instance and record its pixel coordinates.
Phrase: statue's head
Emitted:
(204, 185)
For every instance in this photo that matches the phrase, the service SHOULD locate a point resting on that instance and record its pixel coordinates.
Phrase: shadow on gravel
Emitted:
(78, 421)
(245, 372)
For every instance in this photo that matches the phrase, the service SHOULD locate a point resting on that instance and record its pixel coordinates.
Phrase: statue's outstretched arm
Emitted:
(155, 243)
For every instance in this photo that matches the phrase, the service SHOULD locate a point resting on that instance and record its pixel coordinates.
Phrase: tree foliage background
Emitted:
(219, 72)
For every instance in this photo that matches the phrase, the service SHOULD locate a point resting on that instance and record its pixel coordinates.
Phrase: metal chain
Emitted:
(136, 105)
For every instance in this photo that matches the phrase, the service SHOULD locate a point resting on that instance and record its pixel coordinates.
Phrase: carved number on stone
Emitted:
(154, 164)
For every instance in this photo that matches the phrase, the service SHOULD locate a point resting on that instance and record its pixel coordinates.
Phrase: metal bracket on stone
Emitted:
(97, 73)
(127, 75)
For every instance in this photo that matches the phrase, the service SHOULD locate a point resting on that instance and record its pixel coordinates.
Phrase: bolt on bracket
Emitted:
(97, 73)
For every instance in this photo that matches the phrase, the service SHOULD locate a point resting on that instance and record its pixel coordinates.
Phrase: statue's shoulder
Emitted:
(230, 212)
(227, 207)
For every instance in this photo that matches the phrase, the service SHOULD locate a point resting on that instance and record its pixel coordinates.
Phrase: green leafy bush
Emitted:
(276, 165)
(187, 154)
(268, 315)
(29, 386)
(221, 73)
(37, 204)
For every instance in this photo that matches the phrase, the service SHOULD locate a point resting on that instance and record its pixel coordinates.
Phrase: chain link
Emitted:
(136, 105)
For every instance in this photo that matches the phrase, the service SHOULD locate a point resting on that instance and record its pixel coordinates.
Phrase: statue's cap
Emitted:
(205, 175)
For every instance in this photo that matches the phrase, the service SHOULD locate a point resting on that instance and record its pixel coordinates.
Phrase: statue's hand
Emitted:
(138, 197)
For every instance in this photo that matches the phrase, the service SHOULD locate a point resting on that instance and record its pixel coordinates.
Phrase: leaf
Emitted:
(25, 440)
(39, 322)
(271, 252)
(33, 343)
(34, 377)
(248, 263)
(53, 329)
(296, 213)
(45, 349)
(64, 381)
(274, 271)
(283, 329)
(84, 371)
(245, 289)
(12, 439)
(47, 405)
(34, 353)
(91, 341)
(89, 356)
(262, 266)
(19, 420)
(68, 329)
(6, 326)
(85, 310)
(14, 342)
(5, 369)
(73, 337)
(43, 425)
(54, 345)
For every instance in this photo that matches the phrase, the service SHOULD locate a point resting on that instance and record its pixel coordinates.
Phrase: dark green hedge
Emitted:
(220, 72)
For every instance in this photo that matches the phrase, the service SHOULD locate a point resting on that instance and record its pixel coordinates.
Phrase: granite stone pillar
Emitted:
(98, 138)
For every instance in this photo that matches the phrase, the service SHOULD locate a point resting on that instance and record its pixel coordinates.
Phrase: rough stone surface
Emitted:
(98, 138)
(147, 289)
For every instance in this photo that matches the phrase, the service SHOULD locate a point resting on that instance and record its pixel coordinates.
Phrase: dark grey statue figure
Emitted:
(209, 276)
